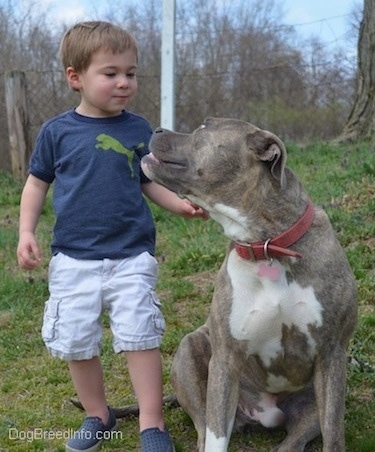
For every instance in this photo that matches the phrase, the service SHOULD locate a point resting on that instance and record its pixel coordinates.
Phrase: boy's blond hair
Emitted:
(85, 38)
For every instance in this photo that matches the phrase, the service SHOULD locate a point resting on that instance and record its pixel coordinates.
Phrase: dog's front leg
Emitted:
(222, 400)
(329, 385)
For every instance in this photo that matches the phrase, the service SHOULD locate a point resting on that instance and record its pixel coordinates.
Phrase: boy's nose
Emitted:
(123, 81)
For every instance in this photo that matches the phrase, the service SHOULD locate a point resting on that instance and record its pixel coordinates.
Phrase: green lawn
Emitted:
(35, 390)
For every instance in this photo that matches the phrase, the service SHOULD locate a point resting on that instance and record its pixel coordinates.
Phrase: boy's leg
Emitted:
(87, 376)
(145, 369)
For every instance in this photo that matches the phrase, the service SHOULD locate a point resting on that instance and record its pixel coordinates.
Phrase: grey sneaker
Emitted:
(155, 440)
(90, 435)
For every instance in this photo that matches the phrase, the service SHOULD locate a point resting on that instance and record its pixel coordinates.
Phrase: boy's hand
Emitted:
(28, 252)
(190, 210)
(169, 200)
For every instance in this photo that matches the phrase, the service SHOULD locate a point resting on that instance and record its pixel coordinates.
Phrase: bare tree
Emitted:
(233, 58)
(361, 122)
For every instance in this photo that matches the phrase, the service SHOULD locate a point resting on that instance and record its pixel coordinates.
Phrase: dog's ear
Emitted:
(269, 148)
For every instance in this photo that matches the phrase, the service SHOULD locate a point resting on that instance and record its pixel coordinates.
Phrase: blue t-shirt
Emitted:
(95, 166)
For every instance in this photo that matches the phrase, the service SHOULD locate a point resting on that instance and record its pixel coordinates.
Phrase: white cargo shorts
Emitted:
(80, 290)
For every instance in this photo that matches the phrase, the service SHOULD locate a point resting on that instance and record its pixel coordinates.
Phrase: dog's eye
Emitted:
(202, 126)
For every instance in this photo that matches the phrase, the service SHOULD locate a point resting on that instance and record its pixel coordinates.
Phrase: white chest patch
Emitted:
(235, 225)
(261, 306)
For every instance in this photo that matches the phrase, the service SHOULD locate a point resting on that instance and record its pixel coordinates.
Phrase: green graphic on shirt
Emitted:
(106, 143)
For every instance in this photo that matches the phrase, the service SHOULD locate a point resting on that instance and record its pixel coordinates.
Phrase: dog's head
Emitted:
(223, 164)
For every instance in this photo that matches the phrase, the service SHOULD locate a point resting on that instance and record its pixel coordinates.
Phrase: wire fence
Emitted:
(239, 61)
(49, 95)
(199, 95)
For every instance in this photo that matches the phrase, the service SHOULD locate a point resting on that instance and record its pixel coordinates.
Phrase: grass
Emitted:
(35, 390)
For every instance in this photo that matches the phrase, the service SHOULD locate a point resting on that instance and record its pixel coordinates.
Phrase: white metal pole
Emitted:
(167, 114)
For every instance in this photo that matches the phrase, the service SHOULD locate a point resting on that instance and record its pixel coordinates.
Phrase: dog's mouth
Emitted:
(152, 161)
(167, 172)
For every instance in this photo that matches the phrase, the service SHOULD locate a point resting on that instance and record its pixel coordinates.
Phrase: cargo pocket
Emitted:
(51, 316)
(157, 316)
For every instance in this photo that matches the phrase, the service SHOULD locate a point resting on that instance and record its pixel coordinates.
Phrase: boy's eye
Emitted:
(131, 74)
(110, 74)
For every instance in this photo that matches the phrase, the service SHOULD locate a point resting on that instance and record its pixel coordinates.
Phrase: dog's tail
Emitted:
(133, 410)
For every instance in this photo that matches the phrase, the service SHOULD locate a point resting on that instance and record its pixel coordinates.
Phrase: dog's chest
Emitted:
(264, 308)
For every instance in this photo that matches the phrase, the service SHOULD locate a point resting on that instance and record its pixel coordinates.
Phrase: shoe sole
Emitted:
(94, 448)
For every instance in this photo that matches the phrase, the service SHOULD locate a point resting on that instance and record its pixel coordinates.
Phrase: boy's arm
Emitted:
(32, 200)
(170, 201)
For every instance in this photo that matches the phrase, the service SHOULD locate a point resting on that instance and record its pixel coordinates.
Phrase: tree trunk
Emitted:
(361, 122)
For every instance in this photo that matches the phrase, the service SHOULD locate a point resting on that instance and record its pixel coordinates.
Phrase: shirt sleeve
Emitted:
(41, 160)
(144, 151)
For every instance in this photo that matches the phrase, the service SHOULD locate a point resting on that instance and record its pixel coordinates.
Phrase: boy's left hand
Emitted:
(190, 210)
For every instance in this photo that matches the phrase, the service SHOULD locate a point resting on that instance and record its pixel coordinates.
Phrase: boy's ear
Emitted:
(73, 78)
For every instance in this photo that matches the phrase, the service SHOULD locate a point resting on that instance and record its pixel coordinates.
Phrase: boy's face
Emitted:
(108, 85)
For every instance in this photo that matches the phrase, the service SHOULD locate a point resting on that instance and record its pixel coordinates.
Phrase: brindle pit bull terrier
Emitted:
(273, 348)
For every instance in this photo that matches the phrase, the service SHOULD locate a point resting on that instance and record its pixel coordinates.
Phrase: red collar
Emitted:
(278, 246)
